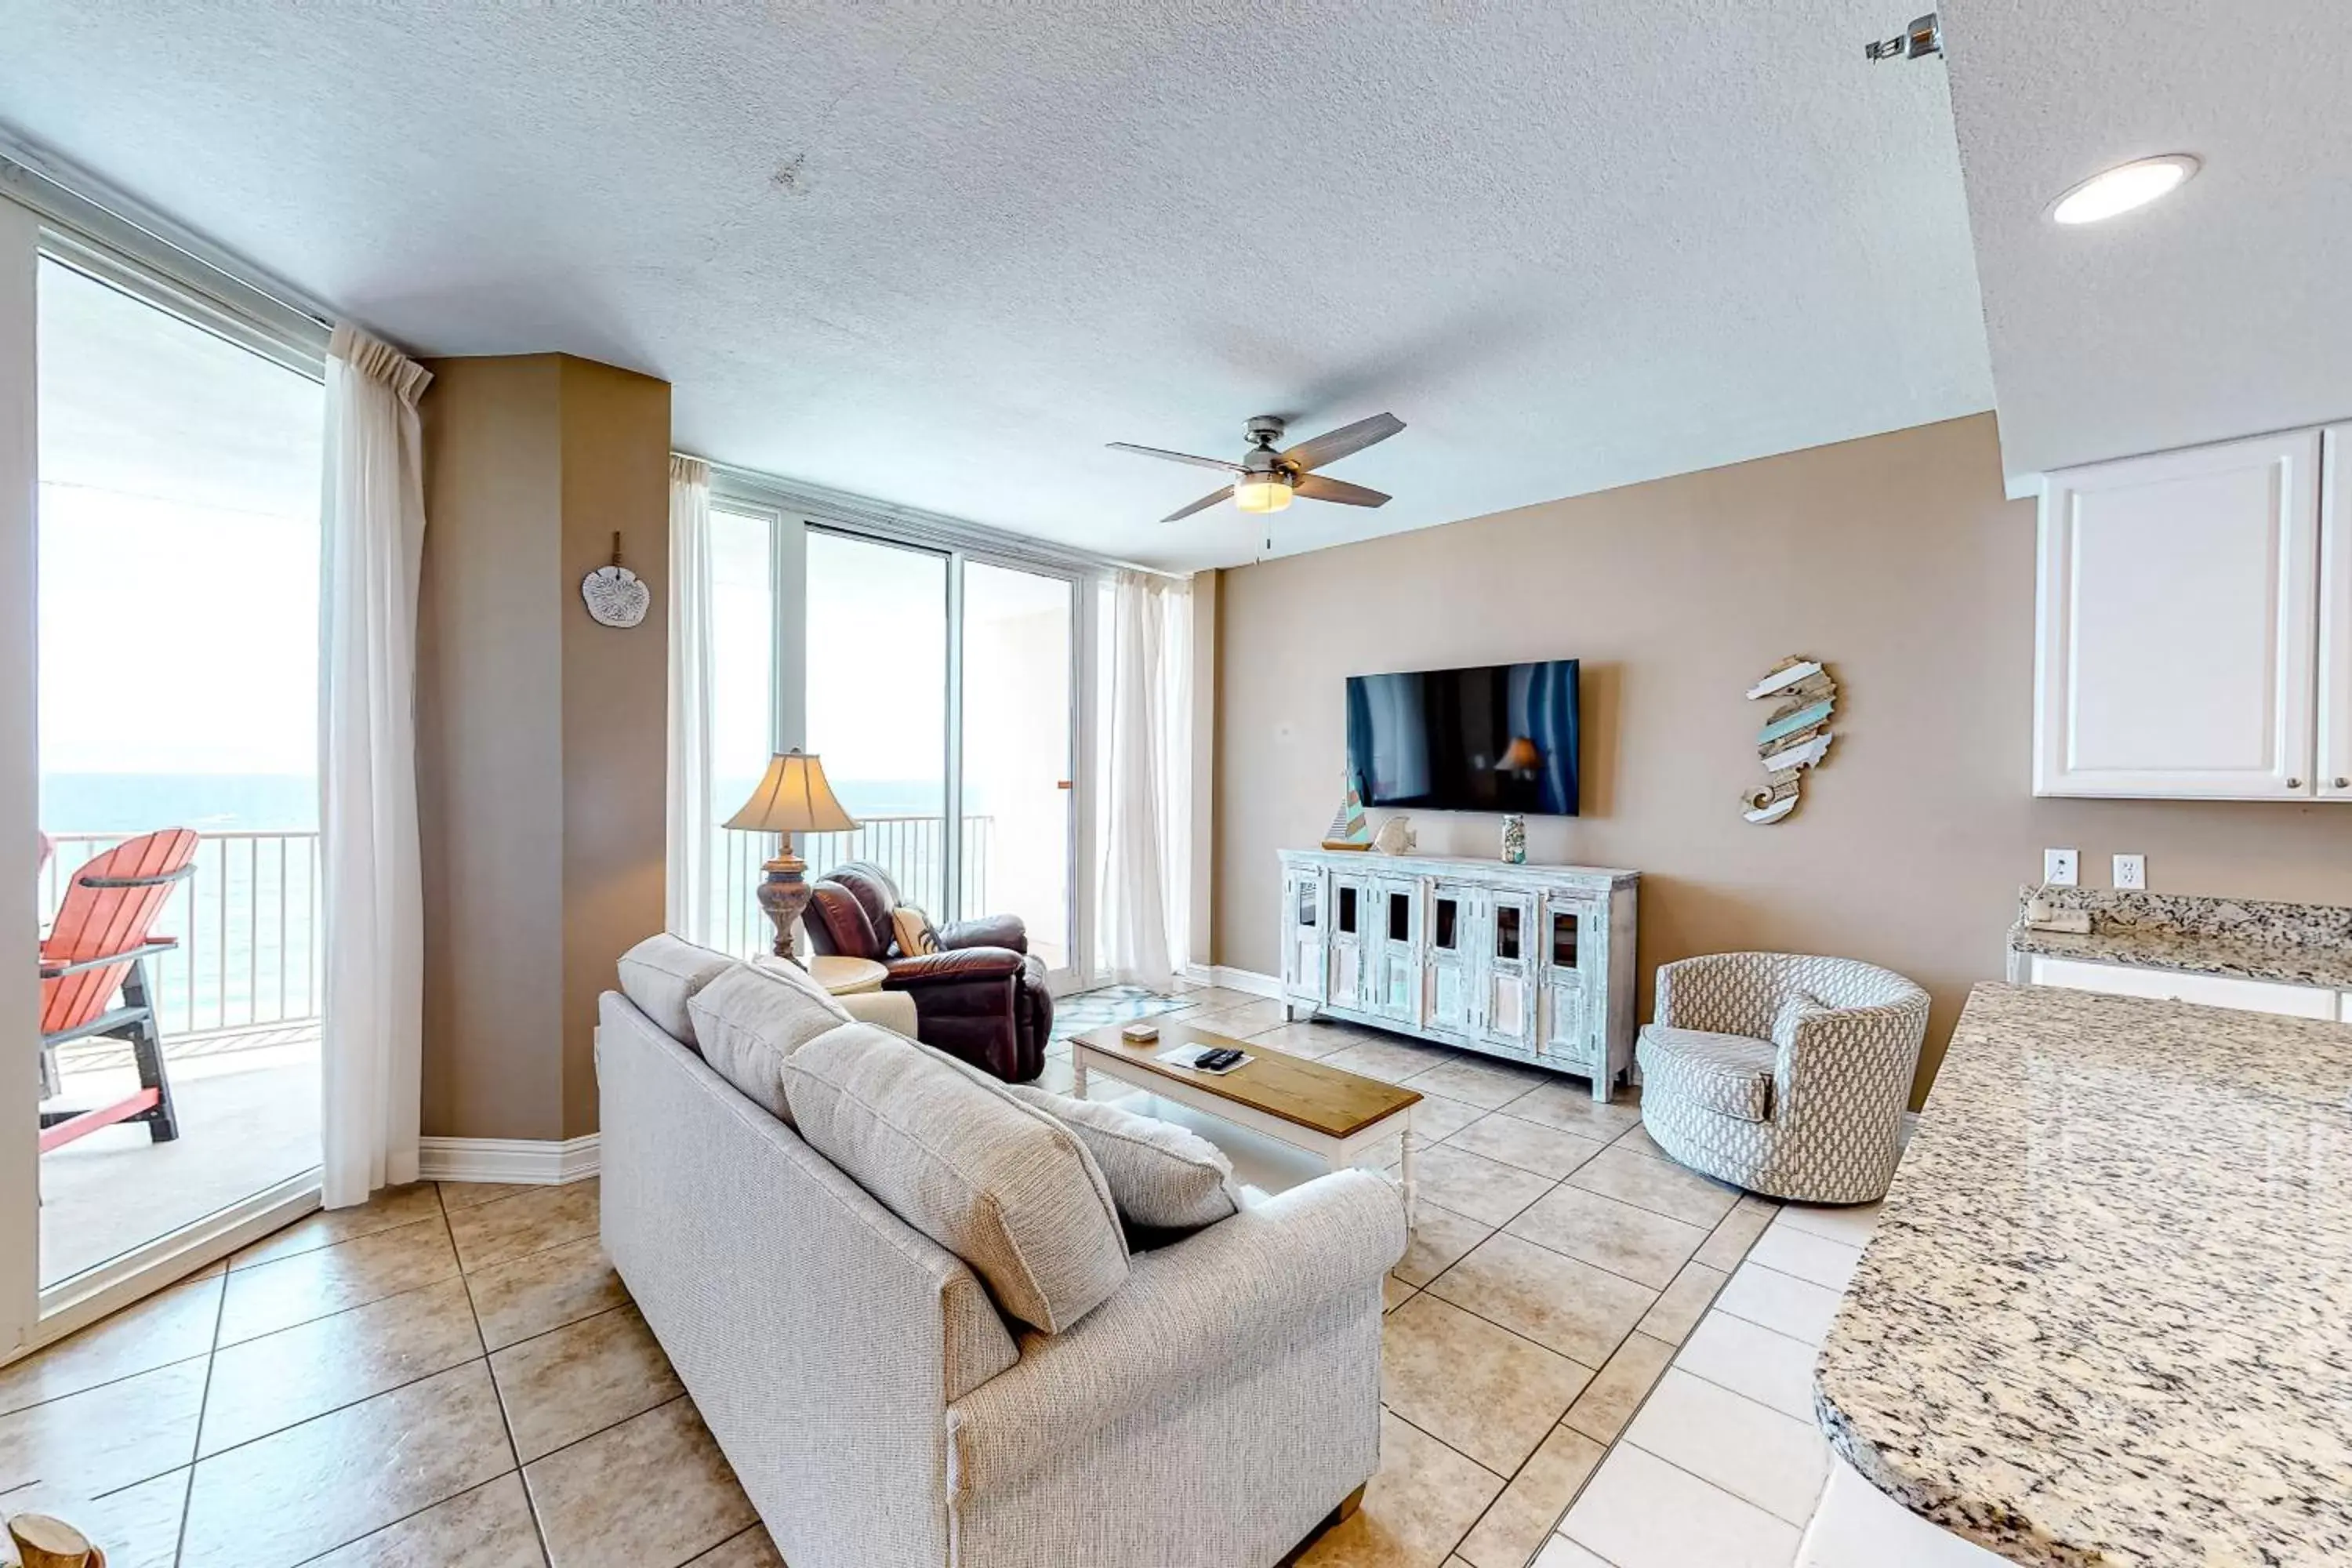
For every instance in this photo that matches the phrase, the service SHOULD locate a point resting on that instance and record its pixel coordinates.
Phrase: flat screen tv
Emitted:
(1498, 738)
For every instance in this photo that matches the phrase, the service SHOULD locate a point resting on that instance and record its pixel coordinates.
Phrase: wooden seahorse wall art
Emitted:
(1796, 737)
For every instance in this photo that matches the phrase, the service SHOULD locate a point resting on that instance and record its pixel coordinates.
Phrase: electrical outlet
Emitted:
(2131, 873)
(2059, 866)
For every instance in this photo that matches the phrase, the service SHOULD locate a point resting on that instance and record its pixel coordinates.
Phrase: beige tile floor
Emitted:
(1560, 1263)
(453, 1374)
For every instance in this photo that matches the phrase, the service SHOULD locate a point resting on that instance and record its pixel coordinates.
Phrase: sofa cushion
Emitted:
(1730, 1075)
(1001, 1184)
(1165, 1180)
(662, 974)
(748, 1021)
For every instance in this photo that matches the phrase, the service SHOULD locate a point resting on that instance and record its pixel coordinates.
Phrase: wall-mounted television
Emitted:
(1501, 737)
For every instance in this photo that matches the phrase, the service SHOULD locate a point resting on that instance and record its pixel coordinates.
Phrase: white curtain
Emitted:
(372, 519)
(1144, 866)
(689, 700)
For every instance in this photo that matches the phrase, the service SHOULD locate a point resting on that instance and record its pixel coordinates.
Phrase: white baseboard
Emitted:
(1232, 979)
(532, 1161)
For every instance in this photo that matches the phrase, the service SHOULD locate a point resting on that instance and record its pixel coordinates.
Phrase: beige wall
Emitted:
(541, 734)
(1893, 558)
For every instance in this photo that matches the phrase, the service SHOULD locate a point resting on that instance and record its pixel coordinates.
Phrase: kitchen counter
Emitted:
(2244, 938)
(2103, 1320)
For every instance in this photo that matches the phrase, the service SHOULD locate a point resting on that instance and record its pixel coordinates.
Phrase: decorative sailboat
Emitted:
(1348, 829)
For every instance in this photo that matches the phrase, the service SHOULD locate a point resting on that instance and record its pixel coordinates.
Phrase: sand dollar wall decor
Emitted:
(615, 596)
(1796, 737)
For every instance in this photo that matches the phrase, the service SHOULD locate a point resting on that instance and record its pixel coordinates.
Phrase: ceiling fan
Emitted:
(1265, 480)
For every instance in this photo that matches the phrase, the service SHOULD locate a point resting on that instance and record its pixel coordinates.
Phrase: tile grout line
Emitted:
(196, 1441)
(197, 1455)
(485, 1355)
(1559, 1525)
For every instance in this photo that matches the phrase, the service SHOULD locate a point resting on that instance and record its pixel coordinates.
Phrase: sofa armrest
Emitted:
(1214, 1304)
(989, 931)
(967, 963)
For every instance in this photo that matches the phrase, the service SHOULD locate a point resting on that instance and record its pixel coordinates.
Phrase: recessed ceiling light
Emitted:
(2124, 187)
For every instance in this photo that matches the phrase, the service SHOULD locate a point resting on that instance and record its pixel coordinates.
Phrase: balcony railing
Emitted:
(247, 923)
(911, 848)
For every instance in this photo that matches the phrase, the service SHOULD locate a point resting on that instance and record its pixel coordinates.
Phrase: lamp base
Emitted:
(784, 893)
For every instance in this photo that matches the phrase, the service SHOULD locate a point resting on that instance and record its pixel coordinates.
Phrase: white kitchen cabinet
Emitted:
(2333, 769)
(2179, 985)
(2178, 625)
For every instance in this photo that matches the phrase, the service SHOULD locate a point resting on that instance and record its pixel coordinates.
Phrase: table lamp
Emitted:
(793, 797)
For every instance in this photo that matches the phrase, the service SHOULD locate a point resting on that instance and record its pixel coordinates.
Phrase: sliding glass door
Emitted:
(1017, 753)
(939, 690)
(878, 709)
(178, 892)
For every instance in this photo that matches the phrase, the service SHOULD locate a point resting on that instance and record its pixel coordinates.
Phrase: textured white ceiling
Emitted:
(2219, 312)
(939, 255)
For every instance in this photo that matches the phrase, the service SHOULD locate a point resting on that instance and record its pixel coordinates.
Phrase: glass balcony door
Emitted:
(878, 679)
(1018, 778)
(177, 605)
(938, 688)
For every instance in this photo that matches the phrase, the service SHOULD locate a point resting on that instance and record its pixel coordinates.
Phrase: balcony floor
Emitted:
(248, 1109)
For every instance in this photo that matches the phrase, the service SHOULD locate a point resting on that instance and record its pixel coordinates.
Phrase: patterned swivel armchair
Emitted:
(1784, 1074)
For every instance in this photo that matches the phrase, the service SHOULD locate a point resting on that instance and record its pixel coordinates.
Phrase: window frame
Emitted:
(795, 512)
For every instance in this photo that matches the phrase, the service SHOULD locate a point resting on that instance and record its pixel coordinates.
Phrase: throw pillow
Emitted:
(1165, 1179)
(662, 975)
(912, 928)
(1794, 1006)
(940, 1145)
(747, 1020)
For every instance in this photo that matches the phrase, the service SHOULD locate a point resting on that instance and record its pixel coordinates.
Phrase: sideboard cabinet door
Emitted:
(1306, 962)
(1510, 970)
(2177, 623)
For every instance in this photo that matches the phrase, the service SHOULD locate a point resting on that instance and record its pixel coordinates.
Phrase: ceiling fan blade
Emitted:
(1334, 445)
(1315, 487)
(1206, 501)
(1174, 457)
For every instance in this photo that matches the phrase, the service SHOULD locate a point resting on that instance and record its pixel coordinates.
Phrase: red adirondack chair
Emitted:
(99, 945)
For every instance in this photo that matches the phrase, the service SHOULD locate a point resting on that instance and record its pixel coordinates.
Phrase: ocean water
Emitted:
(209, 803)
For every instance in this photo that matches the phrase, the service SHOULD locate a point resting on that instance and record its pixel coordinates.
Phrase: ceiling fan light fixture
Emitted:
(1261, 492)
(2121, 189)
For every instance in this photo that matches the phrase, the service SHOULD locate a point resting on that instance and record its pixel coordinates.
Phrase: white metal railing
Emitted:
(911, 848)
(247, 924)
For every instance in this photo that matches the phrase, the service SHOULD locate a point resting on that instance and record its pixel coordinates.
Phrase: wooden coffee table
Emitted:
(1326, 1112)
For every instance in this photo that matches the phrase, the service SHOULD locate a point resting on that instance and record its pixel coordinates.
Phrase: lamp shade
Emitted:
(1521, 756)
(792, 798)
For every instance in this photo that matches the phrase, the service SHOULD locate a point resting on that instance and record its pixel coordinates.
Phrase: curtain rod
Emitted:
(826, 505)
(87, 204)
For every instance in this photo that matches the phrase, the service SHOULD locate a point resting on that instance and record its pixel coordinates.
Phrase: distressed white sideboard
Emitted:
(1533, 963)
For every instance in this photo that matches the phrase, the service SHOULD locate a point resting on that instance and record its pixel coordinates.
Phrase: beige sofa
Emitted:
(1222, 1400)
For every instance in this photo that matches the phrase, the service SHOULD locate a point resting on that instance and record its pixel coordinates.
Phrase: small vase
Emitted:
(1515, 839)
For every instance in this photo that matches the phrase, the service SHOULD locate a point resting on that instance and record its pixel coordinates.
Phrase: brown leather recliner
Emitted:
(983, 997)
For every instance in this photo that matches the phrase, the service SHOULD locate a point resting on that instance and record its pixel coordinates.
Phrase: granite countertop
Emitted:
(2245, 939)
(2103, 1320)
